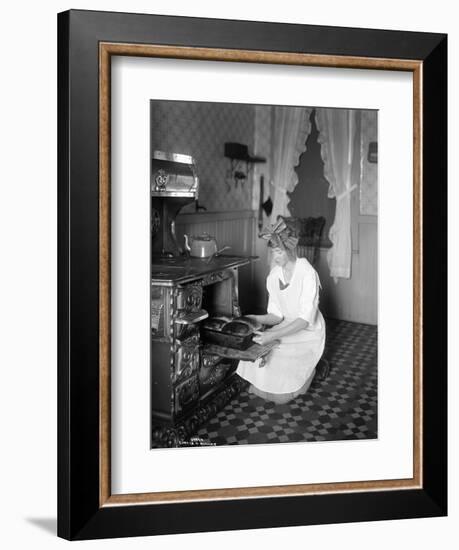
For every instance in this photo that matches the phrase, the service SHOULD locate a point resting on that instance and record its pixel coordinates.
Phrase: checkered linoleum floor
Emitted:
(344, 406)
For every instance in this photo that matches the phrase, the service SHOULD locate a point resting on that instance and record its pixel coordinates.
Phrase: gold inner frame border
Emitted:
(106, 51)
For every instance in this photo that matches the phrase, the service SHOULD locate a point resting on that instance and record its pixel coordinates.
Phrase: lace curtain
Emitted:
(290, 129)
(336, 136)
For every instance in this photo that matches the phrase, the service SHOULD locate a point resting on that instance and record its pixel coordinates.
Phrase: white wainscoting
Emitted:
(354, 299)
(236, 229)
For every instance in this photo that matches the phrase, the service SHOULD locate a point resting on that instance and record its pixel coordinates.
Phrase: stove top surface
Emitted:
(181, 269)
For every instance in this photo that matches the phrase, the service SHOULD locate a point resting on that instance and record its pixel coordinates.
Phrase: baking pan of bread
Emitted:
(229, 332)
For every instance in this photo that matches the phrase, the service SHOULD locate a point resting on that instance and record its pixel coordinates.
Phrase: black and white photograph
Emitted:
(264, 247)
(227, 270)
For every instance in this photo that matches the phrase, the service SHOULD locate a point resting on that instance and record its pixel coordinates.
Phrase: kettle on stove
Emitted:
(201, 246)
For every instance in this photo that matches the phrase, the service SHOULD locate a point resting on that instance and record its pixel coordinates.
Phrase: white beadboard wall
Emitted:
(236, 229)
(354, 299)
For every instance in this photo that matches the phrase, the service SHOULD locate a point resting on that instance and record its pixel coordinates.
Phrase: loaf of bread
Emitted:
(223, 318)
(237, 328)
(240, 326)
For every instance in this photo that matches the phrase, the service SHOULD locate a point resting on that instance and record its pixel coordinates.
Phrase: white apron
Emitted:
(291, 364)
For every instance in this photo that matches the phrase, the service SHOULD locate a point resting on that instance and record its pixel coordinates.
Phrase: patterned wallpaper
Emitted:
(369, 171)
(201, 129)
(263, 145)
(263, 114)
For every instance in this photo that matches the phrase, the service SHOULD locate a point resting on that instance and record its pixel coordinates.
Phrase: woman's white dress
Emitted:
(289, 368)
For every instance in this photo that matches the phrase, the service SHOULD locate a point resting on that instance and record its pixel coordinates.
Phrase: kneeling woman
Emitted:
(295, 320)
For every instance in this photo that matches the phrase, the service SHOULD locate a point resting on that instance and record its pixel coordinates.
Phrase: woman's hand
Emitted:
(264, 338)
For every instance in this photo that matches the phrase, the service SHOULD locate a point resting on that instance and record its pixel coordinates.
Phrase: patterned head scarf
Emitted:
(280, 235)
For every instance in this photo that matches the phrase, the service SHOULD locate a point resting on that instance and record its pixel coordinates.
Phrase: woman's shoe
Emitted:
(322, 370)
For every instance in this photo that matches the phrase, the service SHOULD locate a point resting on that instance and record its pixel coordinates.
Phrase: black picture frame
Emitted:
(81, 514)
